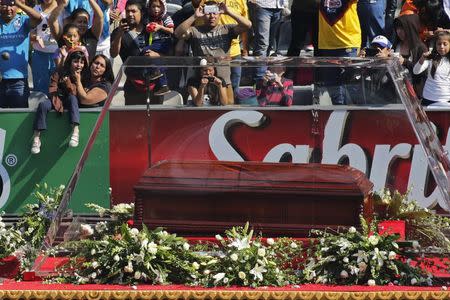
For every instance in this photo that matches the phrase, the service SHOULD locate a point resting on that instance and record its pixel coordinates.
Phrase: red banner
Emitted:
(380, 143)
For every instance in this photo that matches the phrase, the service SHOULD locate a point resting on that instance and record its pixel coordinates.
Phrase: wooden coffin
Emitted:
(202, 198)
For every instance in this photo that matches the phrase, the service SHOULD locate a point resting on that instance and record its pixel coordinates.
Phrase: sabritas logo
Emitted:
(4, 177)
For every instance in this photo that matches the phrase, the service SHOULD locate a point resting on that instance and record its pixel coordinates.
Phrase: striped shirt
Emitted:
(272, 94)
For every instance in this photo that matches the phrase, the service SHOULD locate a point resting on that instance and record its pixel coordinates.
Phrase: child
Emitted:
(70, 40)
(63, 93)
(160, 30)
(437, 86)
(274, 88)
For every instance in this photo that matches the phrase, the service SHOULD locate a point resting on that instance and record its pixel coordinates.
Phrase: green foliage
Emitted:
(425, 226)
(354, 257)
(10, 239)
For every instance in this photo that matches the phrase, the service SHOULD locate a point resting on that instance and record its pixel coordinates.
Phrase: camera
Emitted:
(372, 52)
(124, 22)
(8, 2)
(211, 79)
(211, 9)
(272, 76)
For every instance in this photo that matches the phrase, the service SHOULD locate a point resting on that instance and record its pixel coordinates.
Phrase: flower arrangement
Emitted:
(10, 239)
(427, 227)
(244, 260)
(131, 256)
(365, 257)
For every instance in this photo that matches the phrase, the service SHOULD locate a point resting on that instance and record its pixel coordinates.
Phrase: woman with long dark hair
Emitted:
(63, 93)
(409, 46)
(93, 90)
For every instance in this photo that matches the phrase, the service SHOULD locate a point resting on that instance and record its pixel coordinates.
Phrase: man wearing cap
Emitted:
(14, 47)
(378, 85)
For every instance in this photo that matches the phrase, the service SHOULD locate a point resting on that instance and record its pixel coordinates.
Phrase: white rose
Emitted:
(373, 239)
(270, 241)
(371, 282)
(234, 257)
(344, 274)
(345, 259)
(206, 272)
(186, 246)
(392, 255)
(95, 265)
(93, 251)
(352, 230)
(241, 275)
(293, 245)
(261, 252)
(86, 230)
(152, 248)
(413, 281)
(195, 265)
(116, 257)
(93, 275)
(134, 231)
(225, 280)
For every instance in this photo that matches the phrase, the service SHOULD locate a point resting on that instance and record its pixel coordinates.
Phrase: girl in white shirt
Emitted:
(437, 86)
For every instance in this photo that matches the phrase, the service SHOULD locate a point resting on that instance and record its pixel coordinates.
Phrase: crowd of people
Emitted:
(72, 44)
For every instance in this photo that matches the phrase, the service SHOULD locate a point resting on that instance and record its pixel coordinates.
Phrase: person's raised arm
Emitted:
(243, 24)
(116, 38)
(182, 31)
(35, 16)
(97, 23)
(422, 64)
(53, 22)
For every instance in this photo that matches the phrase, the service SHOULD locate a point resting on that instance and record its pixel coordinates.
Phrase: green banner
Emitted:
(20, 170)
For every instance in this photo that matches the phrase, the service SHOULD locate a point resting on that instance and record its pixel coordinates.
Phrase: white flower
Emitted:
(373, 240)
(345, 259)
(152, 248)
(415, 244)
(361, 256)
(352, 230)
(270, 241)
(218, 277)
(362, 267)
(134, 231)
(62, 187)
(95, 265)
(195, 265)
(241, 243)
(344, 274)
(241, 275)
(144, 243)
(116, 257)
(219, 237)
(371, 282)
(444, 288)
(261, 252)
(137, 275)
(93, 251)
(186, 246)
(93, 275)
(293, 245)
(128, 268)
(234, 257)
(413, 281)
(86, 230)
(392, 255)
(206, 272)
(225, 280)
(257, 272)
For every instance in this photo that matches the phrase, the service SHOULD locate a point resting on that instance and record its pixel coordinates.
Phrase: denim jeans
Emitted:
(14, 93)
(371, 15)
(263, 20)
(70, 102)
(332, 78)
(236, 76)
(43, 66)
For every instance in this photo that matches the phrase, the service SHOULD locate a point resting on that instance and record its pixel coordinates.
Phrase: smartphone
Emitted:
(371, 52)
(8, 2)
(211, 79)
(123, 22)
(211, 9)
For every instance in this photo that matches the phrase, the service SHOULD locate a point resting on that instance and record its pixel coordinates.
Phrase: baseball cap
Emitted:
(381, 41)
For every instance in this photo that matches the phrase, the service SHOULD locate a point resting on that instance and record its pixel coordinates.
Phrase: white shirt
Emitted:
(438, 88)
(43, 32)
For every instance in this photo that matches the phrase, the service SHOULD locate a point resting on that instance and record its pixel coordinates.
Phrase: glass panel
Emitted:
(297, 144)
